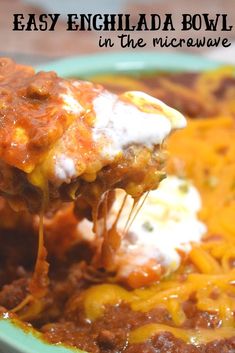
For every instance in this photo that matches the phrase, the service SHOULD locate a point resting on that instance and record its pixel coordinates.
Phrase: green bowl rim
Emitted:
(88, 65)
(27, 340)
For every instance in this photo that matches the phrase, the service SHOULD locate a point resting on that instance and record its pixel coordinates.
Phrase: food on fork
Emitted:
(60, 138)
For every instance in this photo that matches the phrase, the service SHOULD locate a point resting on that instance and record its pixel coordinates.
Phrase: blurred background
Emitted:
(38, 47)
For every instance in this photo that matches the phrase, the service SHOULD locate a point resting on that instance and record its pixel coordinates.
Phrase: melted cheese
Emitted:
(195, 337)
(166, 223)
(130, 119)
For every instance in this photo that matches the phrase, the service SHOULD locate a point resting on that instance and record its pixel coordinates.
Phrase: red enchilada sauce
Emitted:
(63, 316)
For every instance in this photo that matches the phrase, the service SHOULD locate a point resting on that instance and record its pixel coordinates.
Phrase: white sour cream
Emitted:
(166, 223)
(120, 121)
(70, 103)
(123, 123)
(64, 168)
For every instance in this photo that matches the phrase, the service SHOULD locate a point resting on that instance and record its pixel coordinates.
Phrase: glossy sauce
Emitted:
(190, 311)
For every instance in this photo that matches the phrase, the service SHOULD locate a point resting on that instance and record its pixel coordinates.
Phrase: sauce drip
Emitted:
(111, 239)
(39, 282)
(33, 303)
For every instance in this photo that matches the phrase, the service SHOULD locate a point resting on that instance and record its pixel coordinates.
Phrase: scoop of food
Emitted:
(63, 139)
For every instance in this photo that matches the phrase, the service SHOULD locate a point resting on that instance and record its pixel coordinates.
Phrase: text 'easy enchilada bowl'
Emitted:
(193, 303)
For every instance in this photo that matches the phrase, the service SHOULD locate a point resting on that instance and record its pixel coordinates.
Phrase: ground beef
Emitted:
(12, 294)
(116, 341)
(163, 343)
(70, 276)
(109, 334)
(167, 343)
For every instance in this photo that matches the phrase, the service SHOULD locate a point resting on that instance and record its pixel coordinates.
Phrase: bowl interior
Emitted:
(13, 339)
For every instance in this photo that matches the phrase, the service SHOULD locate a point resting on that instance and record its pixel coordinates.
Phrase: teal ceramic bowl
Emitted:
(89, 65)
(13, 339)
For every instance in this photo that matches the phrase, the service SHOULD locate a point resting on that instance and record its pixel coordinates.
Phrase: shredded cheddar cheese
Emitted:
(196, 337)
(203, 152)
